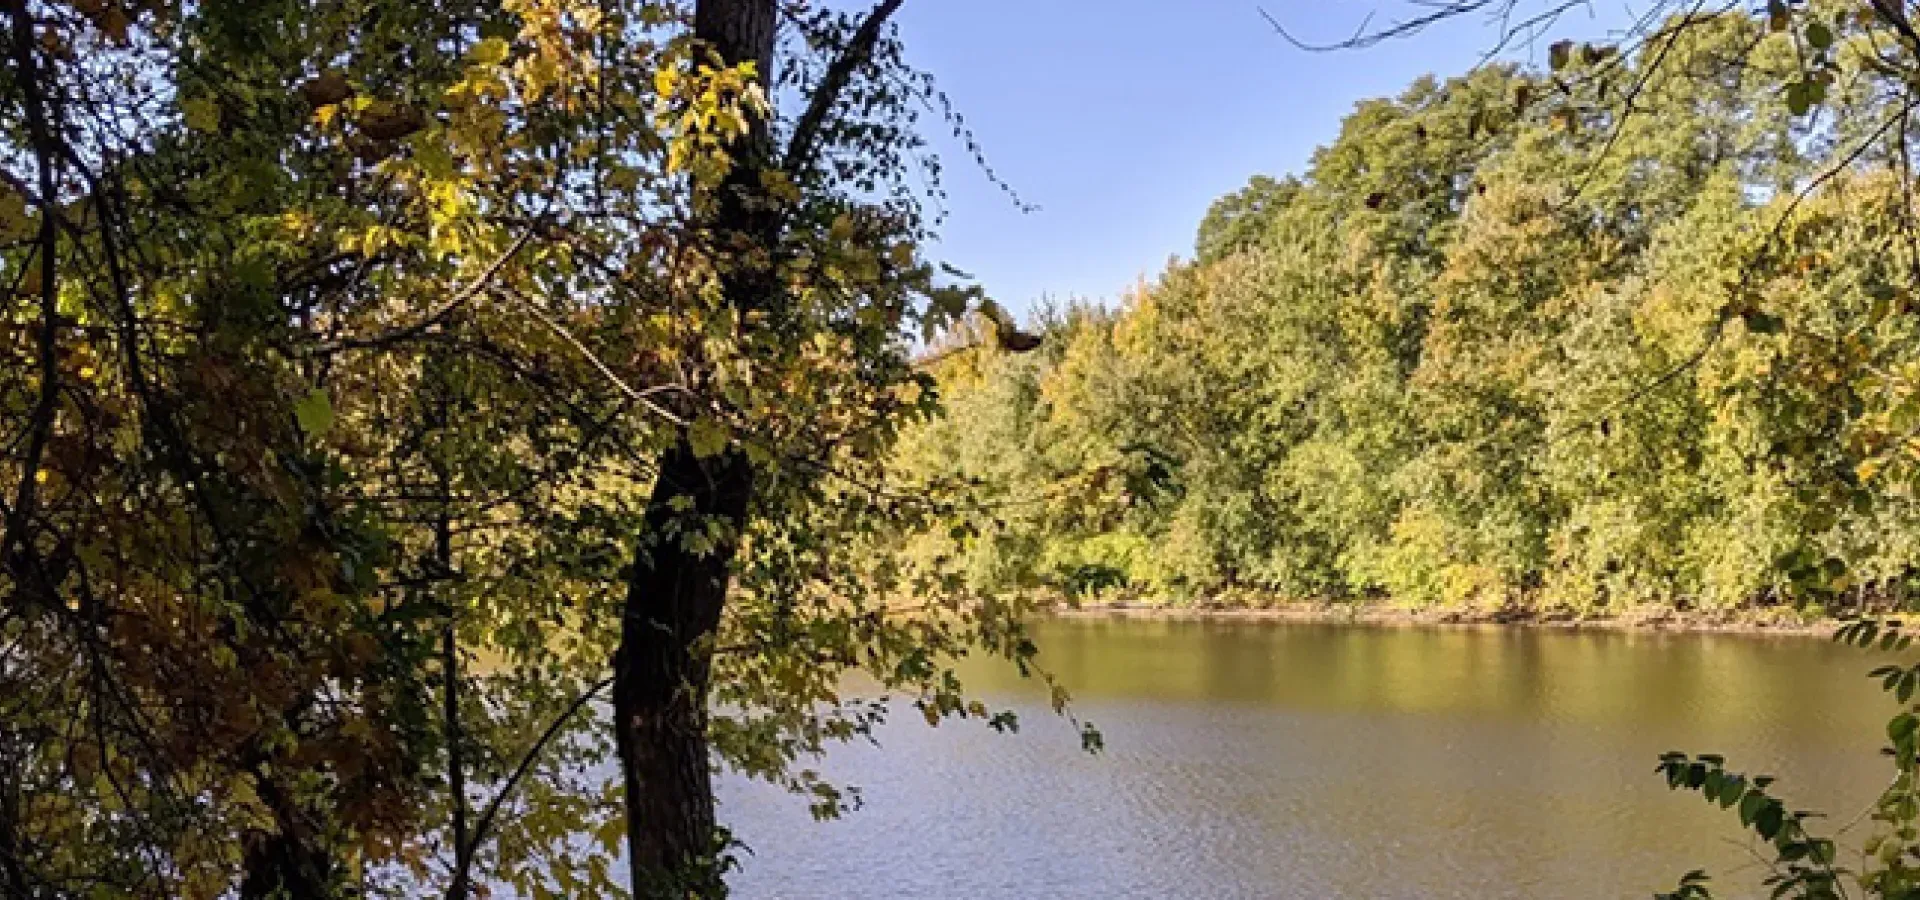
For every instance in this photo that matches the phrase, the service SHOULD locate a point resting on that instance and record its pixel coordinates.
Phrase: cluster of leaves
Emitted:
(1632, 330)
(1801, 864)
(1804, 865)
(340, 344)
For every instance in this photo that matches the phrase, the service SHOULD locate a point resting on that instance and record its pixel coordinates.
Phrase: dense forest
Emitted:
(1510, 339)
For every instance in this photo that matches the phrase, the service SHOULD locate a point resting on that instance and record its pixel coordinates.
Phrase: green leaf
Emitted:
(1762, 323)
(1819, 35)
(200, 114)
(1770, 819)
(1750, 806)
(1732, 789)
(314, 412)
(1901, 727)
(1560, 54)
(15, 220)
(707, 437)
(1799, 98)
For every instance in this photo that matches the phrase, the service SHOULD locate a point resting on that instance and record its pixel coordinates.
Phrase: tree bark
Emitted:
(662, 671)
(676, 595)
(13, 868)
(277, 866)
(287, 862)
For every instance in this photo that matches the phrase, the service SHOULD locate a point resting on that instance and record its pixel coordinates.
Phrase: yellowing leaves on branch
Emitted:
(387, 371)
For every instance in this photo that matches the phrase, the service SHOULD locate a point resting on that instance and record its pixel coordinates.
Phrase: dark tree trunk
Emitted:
(676, 596)
(13, 868)
(287, 864)
(280, 867)
(661, 675)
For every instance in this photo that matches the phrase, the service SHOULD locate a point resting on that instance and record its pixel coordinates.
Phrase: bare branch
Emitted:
(642, 397)
(439, 316)
(858, 51)
(481, 828)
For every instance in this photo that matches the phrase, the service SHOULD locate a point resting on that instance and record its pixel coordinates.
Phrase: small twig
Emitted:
(642, 397)
(463, 874)
(466, 294)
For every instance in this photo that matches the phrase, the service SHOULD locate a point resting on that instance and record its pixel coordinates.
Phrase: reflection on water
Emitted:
(1287, 761)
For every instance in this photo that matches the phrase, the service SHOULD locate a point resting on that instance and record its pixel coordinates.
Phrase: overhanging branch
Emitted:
(859, 50)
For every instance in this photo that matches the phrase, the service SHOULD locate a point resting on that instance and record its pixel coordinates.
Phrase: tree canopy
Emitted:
(382, 382)
(1626, 331)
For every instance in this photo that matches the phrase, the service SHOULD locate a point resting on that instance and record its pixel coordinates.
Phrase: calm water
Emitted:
(1285, 761)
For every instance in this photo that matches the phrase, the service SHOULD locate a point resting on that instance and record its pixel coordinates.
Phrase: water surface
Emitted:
(1289, 761)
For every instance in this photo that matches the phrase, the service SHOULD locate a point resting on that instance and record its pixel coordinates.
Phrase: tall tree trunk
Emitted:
(676, 595)
(661, 676)
(13, 867)
(287, 862)
(279, 866)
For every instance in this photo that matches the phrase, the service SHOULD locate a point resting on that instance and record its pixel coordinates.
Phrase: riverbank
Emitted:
(1764, 621)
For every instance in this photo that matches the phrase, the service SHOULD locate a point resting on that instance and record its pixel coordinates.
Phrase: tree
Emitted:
(374, 372)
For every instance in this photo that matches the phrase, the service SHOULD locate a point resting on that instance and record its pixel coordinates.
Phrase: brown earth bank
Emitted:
(1649, 618)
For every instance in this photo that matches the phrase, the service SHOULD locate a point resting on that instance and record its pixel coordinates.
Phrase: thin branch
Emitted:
(481, 828)
(644, 398)
(466, 294)
(46, 152)
(857, 53)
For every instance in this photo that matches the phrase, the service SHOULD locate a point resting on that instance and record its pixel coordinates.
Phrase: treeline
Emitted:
(1625, 331)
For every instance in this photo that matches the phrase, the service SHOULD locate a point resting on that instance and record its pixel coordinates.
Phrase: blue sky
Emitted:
(1124, 119)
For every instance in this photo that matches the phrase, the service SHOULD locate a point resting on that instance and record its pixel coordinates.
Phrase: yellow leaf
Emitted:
(779, 186)
(706, 437)
(15, 221)
(200, 114)
(612, 833)
(490, 52)
(623, 178)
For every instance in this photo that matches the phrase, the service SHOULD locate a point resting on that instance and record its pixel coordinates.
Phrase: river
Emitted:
(1292, 761)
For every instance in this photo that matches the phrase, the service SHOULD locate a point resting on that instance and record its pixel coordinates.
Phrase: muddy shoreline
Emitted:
(1774, 621)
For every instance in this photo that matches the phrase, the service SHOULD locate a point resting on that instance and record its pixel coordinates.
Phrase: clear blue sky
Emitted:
(1124, 119)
